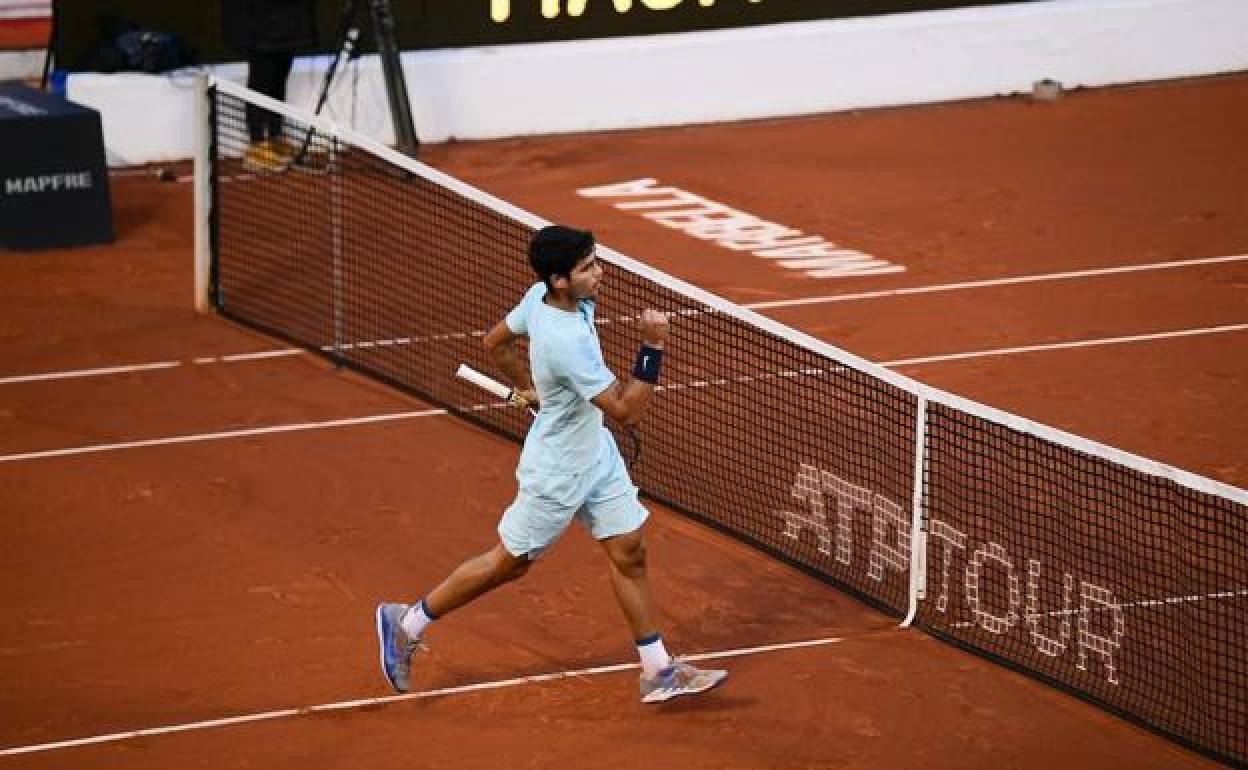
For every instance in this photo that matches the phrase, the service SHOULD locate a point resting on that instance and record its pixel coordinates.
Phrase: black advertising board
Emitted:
(427, 24)
(53, 178)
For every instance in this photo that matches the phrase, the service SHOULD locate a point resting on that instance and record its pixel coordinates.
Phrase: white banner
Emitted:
(25, 9)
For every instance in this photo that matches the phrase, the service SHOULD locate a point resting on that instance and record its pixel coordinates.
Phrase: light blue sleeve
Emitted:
(518, 319)
(581, 366)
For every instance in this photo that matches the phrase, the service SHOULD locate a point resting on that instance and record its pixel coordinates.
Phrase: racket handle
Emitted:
(483, 381)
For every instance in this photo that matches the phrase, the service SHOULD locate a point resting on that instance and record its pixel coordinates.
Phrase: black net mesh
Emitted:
(385, 271)
(1126, 587)
(1120, 586)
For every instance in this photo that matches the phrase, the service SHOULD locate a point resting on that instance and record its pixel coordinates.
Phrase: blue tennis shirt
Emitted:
(565, 360)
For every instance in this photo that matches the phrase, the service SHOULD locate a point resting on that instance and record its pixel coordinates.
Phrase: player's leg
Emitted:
(400, 626)
(475, 577)
(283, 61)
(263, 72)
(662, 677)
(627, 556)
(529, 526)
(615, 517)
(258, 76)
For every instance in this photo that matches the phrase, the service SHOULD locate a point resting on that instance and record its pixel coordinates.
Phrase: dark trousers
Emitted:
(267, 72)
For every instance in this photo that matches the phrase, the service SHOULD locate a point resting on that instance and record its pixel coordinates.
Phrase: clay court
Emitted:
(196, 532)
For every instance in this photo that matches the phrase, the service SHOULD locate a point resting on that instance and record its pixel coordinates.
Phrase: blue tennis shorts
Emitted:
(603, 498)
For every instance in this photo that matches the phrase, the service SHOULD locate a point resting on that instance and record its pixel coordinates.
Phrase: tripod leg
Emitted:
(348, 36)
(396, 84)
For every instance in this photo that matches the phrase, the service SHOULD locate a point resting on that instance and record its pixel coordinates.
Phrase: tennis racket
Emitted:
(626, 438)
(491, 385)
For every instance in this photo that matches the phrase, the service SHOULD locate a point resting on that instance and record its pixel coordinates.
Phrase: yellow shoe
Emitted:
(284, 149)
(262, 157)
(290, 156)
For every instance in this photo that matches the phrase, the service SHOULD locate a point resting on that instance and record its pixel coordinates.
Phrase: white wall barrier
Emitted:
(20, 64)
(768, 71)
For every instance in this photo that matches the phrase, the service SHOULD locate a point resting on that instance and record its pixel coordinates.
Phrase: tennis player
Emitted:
(570, 467)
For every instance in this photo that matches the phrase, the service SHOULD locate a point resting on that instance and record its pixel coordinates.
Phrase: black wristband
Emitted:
(649, 361)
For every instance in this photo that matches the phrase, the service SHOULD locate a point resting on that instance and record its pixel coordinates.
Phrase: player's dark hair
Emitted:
(555, 250)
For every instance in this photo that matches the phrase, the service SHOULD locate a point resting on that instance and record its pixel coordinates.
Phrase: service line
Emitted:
(220, 435)
(990, 283)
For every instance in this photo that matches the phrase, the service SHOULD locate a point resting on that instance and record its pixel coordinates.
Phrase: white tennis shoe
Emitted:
(679, 678)
(395, 645)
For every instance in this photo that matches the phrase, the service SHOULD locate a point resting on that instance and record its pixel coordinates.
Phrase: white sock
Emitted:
(416, 619)
(654, 657)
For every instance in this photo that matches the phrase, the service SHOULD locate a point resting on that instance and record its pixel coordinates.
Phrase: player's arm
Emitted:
(500, 343)
(627, 402)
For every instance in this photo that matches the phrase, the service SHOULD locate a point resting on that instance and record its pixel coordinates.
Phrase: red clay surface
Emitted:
(24, 34)
(967, 192)
(174, 584)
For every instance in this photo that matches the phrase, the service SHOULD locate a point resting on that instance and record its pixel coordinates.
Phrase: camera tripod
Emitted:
(396, 84)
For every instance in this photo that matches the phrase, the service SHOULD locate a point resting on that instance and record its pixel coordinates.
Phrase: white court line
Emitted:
(89, 372)
(227, 359)
(265, 354)
(752, 306)
(1066, 345)
(669, 387)
(227, 434)
(129, 368)
(779, 303)
(367, 702)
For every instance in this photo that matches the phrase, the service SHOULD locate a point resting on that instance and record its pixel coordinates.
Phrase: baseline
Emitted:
(384, 700)
(941, 287)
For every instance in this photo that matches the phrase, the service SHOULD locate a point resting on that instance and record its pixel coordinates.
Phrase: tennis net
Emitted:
(1115, 578)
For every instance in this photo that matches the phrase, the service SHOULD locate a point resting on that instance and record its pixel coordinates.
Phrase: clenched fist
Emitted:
(654, 328)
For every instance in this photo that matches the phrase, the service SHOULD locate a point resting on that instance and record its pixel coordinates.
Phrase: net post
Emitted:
(918, 522)
(203, 193)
